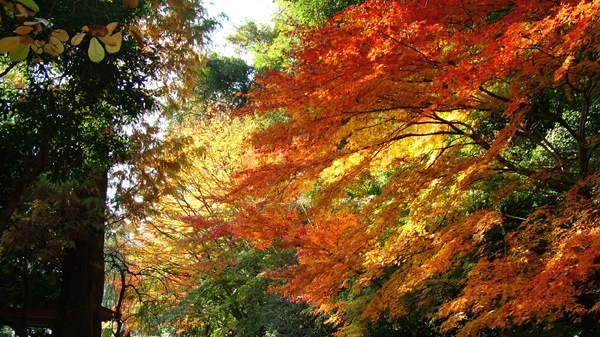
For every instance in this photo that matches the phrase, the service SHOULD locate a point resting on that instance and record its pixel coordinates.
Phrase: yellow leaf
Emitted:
(95, 50)
(112, 42)
(108, 40)
(8, 44)
(38, 46)
(20, 53)
(111, 27)
(76, 40)
(23, 30)
(48, 48)
(54, 47)
(30, 4)
(60, 34)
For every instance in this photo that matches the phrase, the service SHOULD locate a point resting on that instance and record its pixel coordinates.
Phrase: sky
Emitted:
(238, 12)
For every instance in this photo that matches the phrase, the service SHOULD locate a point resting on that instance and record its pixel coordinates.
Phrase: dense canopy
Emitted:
(391, 168)
(75, 77)
(437, 161)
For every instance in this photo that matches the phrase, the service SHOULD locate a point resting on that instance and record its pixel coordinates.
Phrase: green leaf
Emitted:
(20, 53)
(30, 4)
(95, 51)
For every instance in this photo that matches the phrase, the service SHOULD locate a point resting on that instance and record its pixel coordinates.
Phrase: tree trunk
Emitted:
(83, 268)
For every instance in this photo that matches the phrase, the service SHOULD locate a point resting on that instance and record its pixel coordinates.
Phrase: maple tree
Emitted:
(181, 269)
(435, 157)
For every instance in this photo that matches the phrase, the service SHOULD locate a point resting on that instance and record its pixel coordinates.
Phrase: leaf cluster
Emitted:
(483, 118)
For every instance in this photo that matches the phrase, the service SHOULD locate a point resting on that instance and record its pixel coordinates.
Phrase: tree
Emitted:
(311, 12)
(270, 45)
(225, 81)
(187, 273)
(477, 122)
(266, 44)
(74, 80)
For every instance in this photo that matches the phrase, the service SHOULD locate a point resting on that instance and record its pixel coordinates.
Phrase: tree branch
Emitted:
(494, 95)
(410, 47)
(8, 69)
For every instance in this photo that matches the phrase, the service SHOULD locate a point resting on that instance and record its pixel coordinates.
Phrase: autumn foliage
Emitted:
(76, 78)
(436, 157)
